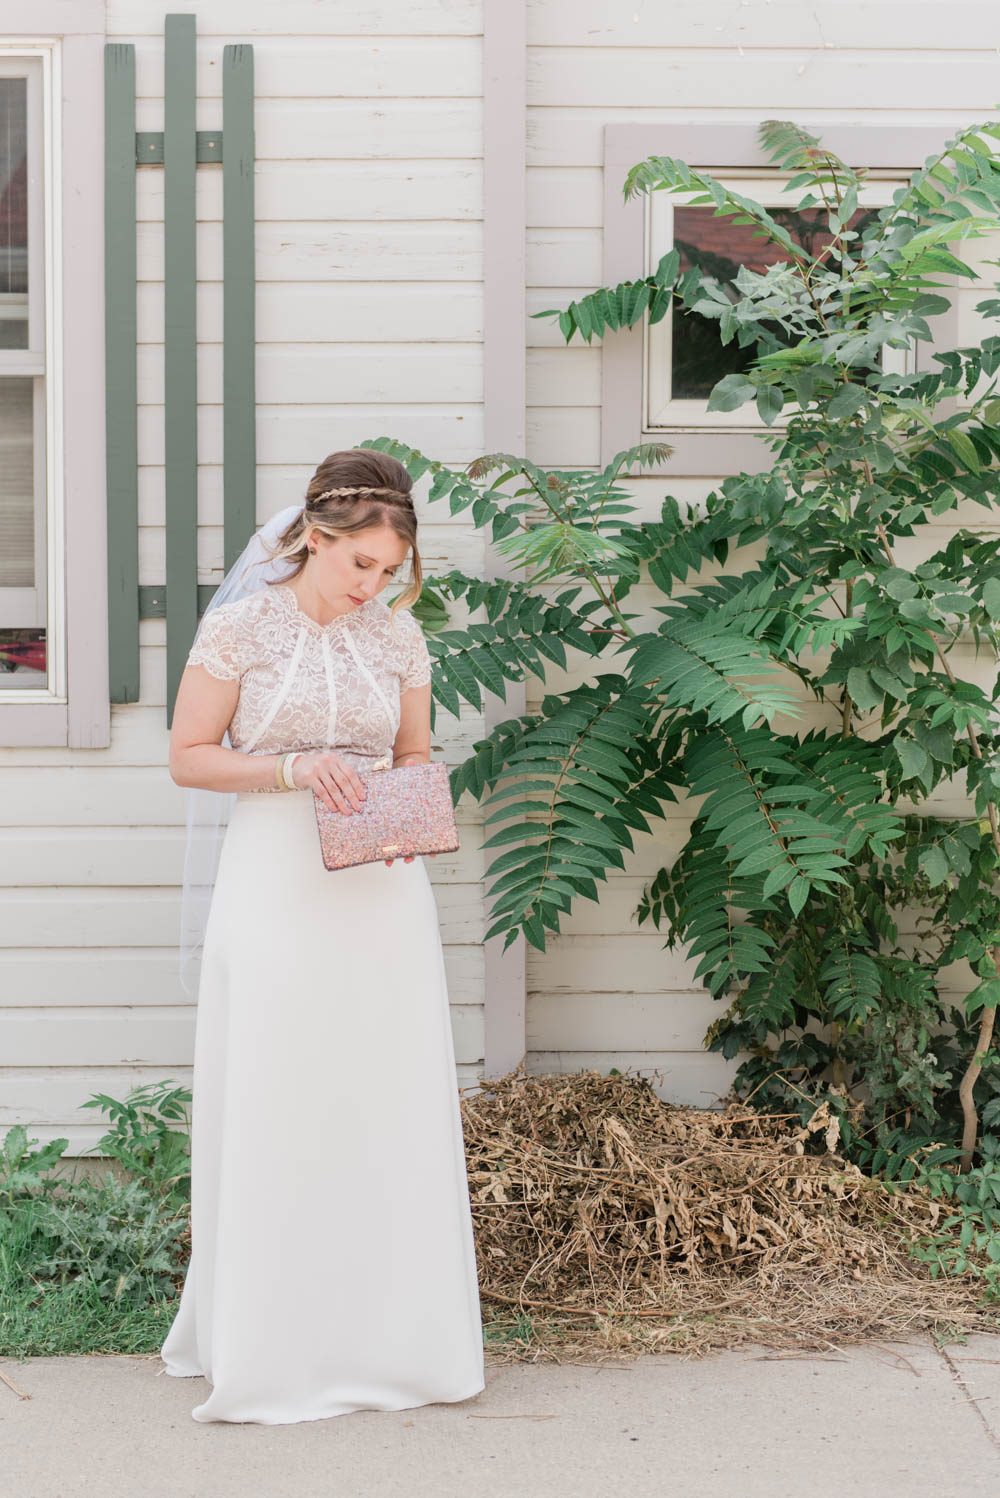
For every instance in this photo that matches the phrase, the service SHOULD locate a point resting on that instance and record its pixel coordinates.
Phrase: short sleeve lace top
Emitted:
(305, 685)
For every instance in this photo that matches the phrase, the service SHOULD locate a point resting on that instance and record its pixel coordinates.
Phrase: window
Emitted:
(654, 381)
(53, 508)
(684, 357)
(28, 664)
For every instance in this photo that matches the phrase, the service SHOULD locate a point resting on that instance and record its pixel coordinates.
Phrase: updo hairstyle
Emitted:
(350, 491)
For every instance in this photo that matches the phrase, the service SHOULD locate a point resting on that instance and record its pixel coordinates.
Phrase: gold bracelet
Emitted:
(279, 782)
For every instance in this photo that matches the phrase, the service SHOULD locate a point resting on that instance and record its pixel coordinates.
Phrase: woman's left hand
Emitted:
(411, 759)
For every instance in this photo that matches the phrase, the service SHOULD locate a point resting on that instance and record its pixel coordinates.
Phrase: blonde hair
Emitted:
(349, 492)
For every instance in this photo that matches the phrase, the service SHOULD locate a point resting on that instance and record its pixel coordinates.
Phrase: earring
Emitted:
(312, 551)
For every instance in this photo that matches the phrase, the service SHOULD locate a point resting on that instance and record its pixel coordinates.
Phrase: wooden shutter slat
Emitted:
(120, 357)
(238, 331)
(179, 340)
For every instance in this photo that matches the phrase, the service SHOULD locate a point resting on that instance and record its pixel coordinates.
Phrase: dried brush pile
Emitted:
(651, 1227)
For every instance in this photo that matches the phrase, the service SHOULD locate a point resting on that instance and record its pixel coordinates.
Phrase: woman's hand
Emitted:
(335, 782)
(410, 759)
(331, 777)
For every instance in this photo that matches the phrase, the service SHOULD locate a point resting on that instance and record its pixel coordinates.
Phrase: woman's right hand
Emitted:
(332, 779)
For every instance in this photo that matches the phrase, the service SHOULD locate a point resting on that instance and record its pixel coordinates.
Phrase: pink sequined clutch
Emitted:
(407, 810)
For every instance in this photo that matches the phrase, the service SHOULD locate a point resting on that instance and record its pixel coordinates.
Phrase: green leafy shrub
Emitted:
(145, 1140)
(116, 1236)
(93, 1264)
(807, 848)
(967, 1238)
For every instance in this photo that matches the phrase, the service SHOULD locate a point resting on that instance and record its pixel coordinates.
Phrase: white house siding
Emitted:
(369, 189)
(606, 992)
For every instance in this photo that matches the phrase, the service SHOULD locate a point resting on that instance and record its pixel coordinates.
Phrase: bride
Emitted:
(333, 1264)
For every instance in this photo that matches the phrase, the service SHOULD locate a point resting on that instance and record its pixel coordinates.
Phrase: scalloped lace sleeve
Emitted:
(218, 646)
(417, 671)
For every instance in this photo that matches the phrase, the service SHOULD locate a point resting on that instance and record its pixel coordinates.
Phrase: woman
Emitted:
(333, 1265)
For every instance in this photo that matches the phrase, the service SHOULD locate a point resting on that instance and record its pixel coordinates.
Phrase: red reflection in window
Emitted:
(22, 650)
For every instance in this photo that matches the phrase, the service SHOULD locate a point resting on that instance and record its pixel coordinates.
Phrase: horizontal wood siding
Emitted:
(606, 992)
(368, 188)
(369, 321)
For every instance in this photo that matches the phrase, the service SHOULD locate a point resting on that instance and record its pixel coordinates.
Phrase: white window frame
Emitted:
(660, 411)
(731, 149)
(41, 361)
(74, 710)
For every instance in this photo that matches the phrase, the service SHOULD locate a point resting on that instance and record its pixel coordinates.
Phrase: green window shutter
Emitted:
(120, 371)
(238, 312)
(180, 377)
(179, 148)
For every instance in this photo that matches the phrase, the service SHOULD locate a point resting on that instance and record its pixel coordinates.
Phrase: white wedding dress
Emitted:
(333, 1264)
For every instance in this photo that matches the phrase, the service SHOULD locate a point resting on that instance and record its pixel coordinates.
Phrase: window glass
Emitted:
(22, 643)
(719, 247)
(13, 213)
(24, 562)
(685, 356)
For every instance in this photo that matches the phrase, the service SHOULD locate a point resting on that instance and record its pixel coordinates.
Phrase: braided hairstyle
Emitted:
(349, 492)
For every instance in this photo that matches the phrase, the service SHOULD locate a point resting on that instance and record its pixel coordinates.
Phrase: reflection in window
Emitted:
(17, 498)
(25, 659)
(13, 213)
(719, 247)
(22, 641)
(22, 658)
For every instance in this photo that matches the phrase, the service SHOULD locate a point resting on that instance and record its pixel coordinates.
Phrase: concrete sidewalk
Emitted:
(913, 1421)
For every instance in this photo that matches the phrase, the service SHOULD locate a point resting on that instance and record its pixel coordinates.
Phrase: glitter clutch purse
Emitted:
(407, 810)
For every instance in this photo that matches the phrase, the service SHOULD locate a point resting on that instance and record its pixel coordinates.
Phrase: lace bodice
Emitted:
(305, 685)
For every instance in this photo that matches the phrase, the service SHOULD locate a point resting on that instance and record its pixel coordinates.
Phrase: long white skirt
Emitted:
(333, 1264)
